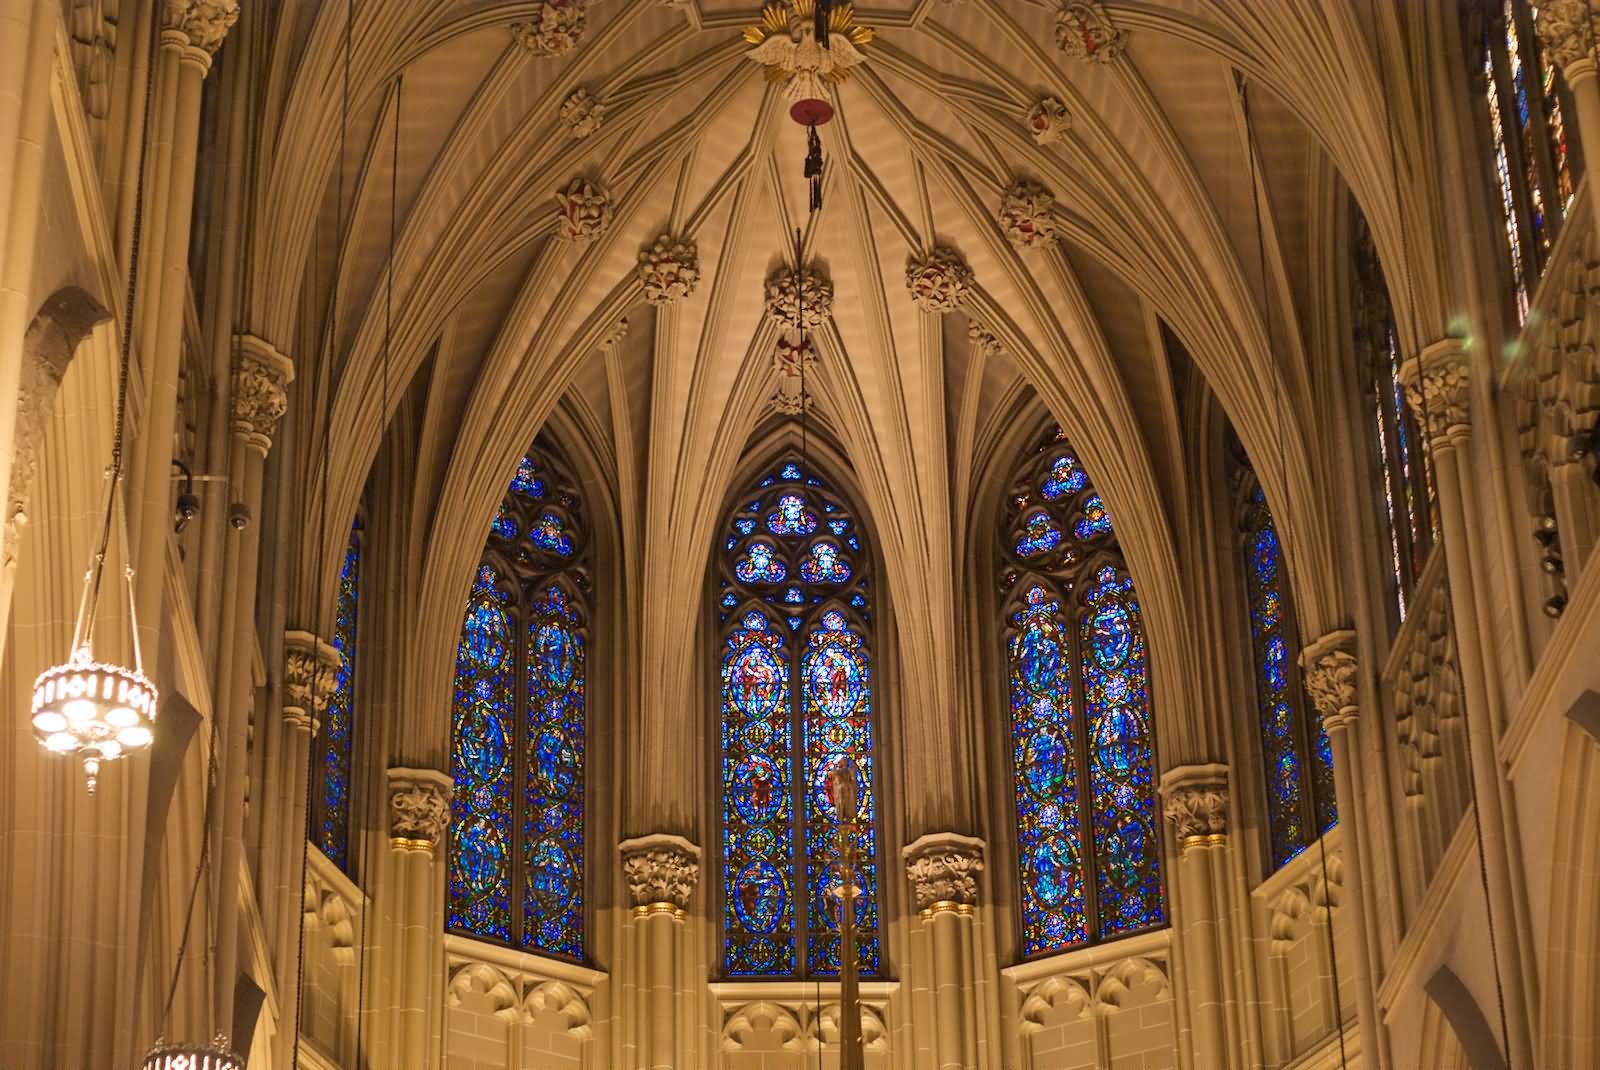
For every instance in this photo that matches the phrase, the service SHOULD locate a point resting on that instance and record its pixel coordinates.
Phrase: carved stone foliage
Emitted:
(788, 358)
(48, 347)
(1567, 30)
(943, 867)
(1195, 800)
(555, 28)
(796, 1026)
(1095, 991)
(419, 807)
(1025, 213)
(1437, 388)
(93, 43)
(583, 208)
(260, 397)
(1047, 120)
(982, 338)
(310, 669)
(204, 22)
(802, 299)
(1084, 31)
(660, 869)
(582, 113)
(940, 280)
(1329, 667)
(669, 270)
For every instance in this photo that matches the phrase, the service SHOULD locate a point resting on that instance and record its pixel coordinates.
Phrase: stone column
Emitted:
(259, 399)
(1328, 667)
(661, 871)
(1567, 31)
(419, 814)
(1196, 803)
(943, 868)
(1437, 390)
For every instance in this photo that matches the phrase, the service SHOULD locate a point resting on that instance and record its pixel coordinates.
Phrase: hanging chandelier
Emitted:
(214, 1056)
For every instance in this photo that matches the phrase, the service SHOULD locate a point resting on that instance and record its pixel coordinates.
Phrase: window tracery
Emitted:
(330, 828)
(1083, 753)
(794, 610)
(516, 858)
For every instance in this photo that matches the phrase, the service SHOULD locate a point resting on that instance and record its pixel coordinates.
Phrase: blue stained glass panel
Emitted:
(760, 564)
(1094, 521)
(552, 832)
(1040, 535)
(1066, 477)
(792, 517)
(338, 724)
(824, 565)
(504, 525)
(551, 535)
(527, 481)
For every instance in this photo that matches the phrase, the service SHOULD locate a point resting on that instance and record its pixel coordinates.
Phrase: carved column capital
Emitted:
(1195, 800)
(1567, 31)
(261, 376)
(310, 670)
(419, 808)
(940, 280)
(943, 868)
(791, 297)
(662, 871)
(1084, 31)
(669, 269)
(555, 28)
(1438, 390)
(1329, 668)
(203, 23)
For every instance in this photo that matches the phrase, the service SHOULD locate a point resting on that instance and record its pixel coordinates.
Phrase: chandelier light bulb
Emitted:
(215, 1056)
(97, 711)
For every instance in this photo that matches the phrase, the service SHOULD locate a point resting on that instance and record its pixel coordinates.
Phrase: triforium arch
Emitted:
(798, 611)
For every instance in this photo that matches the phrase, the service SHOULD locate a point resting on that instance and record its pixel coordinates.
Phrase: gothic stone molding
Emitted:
(419, 808)
(1438, 390)
(582, 113)
(310, 669)
(803, 301)
(940, 281)
(1025, 214)
(583, 209)
(669, 270)
(261, 376)
(93, 40)
(1329, 665)
(943, 868)
(1567, 30)
(1095, 991)
(1084, 31)
(796, 1026)
(555, 28)
(661, 870)
(204, 22)
(1196, 802)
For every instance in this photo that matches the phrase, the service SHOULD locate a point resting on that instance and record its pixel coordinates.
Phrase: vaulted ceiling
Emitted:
(497, 318)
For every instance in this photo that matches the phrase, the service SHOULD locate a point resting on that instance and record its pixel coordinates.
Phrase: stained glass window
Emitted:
(796, 673)
(1531, 152)
(516, 863)
(331, 821)
(1408, 516)
(1297, 759)
(1083, 747)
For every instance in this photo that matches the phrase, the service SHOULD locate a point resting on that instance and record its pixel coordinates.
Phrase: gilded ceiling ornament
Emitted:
(1025, 209)
(789, 298)
(789, 358)
(583, 113)
(660, 870)
(419, 808)
(943, 868)
(204, 22)
(669, 270)
(1084, 31)
(556, 27)
(786, 45)
(1563, 32)
(584, 208)
(1047, 120)
(939, 281)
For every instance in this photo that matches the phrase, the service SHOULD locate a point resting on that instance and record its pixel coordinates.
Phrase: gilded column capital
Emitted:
(943, 868)
(1195, 800)
(419, 808)
(261, 377)
(310, 671)
(662, 871)
(1567, 31)
(1329, 669)
(203, 23)
(1437, 388)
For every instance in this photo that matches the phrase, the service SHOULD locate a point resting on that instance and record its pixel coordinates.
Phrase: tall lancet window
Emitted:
(516, 835)
(1297, 760)
(1083, 741)
(330, 825)
(1532, 153)
(794, 607)
(1408, 516)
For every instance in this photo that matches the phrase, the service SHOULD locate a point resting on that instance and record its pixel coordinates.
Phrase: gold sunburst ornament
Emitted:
(805, 62)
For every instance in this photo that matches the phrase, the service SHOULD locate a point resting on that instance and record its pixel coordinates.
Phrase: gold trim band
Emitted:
(406, 843)
(1212, 839)
(647, 910)
(947, 906)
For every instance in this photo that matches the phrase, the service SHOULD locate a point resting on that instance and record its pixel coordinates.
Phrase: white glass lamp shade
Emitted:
(96, 711)
(192, 1057)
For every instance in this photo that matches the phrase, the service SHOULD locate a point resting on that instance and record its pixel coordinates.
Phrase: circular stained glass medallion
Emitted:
(822, 786)
(755, 681)
(483, 744)
(1111, 635)
(833, 678)
(555, 762)
(480, 855)
(757, 794)
(1045, 762)
(1053, 872)
(555, 654)
(1039, 655)
(759, 896)
(1118, 742)
(484, 638)
(550, 875)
